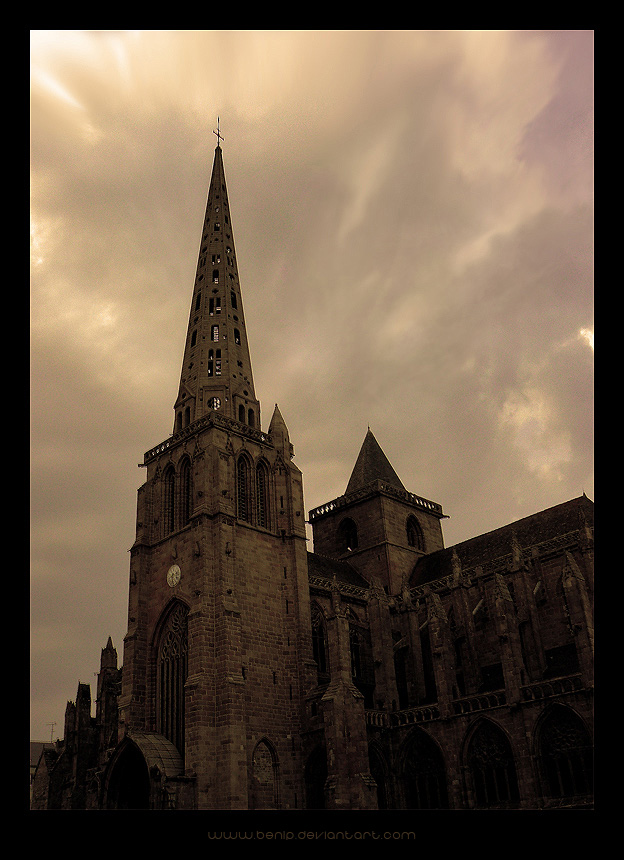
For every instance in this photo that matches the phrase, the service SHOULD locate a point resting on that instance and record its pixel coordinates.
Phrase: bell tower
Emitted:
(377, 525)
(218, 652)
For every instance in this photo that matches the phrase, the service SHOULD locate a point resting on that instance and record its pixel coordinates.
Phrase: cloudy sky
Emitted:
(412, 212)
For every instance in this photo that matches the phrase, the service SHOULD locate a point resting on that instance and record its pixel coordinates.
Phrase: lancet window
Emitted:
(169, 506)
(262, 496)
(319, 645)
(176, 496)
(415, 536)
(242, 489)
(185, 491)
(347, 535)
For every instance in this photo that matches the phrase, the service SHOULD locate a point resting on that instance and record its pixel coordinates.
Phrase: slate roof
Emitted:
(36, 748)
(372, 465)
(159, 751)
(529, 531)
(328, 568)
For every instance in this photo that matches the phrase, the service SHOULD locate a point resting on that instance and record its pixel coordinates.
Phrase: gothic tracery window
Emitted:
(492, 768)
(566, 755)
(172, 670)
(424, 774)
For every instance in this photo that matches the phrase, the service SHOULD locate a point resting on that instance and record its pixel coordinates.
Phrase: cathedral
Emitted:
(382, 670)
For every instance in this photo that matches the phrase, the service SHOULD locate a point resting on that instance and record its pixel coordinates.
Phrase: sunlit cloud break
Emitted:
(587, 334)
(53, 86)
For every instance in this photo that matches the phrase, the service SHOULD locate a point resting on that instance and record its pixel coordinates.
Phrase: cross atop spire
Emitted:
(218, 133)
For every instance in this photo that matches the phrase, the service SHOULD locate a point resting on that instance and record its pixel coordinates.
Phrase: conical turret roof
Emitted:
(372, 465)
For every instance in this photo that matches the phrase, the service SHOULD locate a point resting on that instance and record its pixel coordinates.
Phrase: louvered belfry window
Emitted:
(242, 489)
(262, 496)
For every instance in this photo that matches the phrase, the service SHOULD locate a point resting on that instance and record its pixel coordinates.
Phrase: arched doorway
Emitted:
(142, 773)
(129, 782)
(315, 779)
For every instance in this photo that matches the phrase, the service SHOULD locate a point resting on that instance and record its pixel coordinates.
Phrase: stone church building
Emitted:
(383, 670)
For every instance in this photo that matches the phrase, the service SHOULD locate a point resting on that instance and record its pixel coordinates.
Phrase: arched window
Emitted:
(362, 671)
(430, 691)
(251, 418)
(168, 497)
(424, 773)
(264, 792)
(356, 654)
(565, 751)
(319, 645)
(461, 650)
(400, 673)
(243, 510)
(347, 535)
(185, 491)
(172, 669)
(415, 535)
(262, 496)
(492, 768)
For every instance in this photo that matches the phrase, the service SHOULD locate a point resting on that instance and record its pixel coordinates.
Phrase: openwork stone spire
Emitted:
(216, 369)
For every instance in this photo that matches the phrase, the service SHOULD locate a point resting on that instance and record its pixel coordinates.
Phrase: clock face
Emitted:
(173, 575)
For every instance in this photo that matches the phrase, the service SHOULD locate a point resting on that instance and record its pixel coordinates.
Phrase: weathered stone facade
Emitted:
(381, 671)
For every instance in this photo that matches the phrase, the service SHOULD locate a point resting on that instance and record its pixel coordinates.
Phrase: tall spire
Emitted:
(216, 369)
